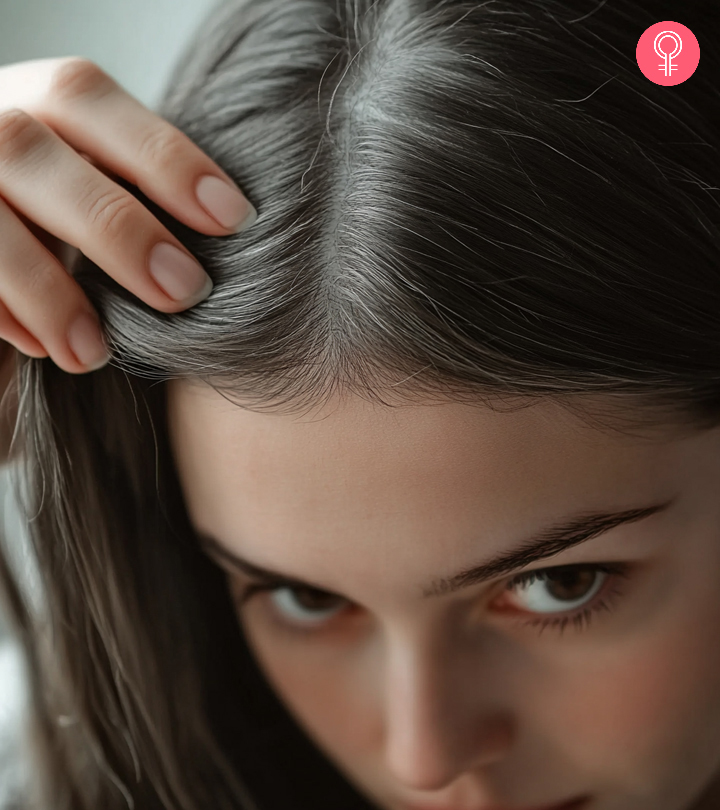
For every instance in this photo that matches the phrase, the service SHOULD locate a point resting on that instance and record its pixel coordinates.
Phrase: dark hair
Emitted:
(476, 201)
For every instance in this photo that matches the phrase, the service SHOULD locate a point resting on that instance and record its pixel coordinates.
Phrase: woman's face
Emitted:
(431, 687)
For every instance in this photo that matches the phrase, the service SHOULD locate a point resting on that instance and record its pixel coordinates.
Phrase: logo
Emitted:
(667, 53)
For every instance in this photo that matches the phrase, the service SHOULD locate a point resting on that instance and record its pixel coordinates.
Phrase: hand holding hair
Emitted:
(66, 129)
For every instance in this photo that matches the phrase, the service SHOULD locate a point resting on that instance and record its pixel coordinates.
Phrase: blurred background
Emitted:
(137, 42)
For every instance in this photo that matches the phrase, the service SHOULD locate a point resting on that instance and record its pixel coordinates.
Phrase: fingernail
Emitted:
(225, 203)
(86, 341)
(182, 278)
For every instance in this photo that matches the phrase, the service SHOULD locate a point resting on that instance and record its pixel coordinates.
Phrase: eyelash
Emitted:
(580, 619)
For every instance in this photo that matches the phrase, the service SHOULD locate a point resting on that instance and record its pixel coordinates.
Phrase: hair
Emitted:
(483, 202)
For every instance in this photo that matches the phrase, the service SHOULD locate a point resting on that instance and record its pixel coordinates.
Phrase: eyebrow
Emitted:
(547, 543)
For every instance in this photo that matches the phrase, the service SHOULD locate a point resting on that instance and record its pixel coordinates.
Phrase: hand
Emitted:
(66, 128)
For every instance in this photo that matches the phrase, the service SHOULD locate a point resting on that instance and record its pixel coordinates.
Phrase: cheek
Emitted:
(646, 710)
(323, 686)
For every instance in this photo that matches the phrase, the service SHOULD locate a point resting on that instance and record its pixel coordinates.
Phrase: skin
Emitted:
(452, 701)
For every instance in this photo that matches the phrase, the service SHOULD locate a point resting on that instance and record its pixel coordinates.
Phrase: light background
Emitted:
(136, 41)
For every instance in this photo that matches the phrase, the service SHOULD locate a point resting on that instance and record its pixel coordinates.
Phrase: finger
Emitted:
(41, 303)
(66, 254)
(110, 226)
(47, 240)
(13, 332)
(95, 115)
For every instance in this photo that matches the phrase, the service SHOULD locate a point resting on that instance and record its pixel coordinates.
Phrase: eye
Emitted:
(306, 605)
(562, 588)
(575, 591)
(302, 606)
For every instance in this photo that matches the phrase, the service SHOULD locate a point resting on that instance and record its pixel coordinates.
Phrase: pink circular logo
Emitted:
(667, 53)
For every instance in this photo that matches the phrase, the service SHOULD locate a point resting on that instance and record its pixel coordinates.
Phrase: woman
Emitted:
(418, 508)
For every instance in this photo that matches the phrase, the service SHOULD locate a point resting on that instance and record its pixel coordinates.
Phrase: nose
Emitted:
(439, 721)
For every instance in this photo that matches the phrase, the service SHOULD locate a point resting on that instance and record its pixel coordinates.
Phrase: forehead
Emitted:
(363, 467)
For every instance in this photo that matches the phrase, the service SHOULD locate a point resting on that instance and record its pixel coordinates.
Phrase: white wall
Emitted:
(136, 41)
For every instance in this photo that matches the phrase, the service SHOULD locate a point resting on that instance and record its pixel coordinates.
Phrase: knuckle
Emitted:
(77, 76)
(20, 134)
(163, 146)
(109, 213)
